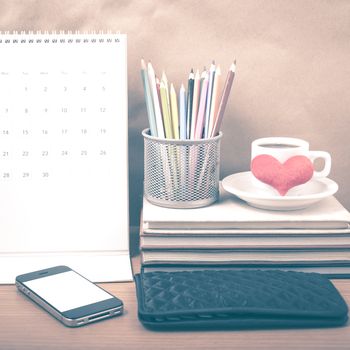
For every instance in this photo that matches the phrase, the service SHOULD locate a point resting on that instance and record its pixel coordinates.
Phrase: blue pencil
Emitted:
(148, 99)
(183, 124)
(189, 103)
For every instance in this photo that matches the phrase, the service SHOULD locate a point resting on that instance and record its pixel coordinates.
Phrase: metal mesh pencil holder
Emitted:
(181, 173)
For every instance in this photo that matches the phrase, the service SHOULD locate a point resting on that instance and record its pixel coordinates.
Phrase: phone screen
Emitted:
(67, 290)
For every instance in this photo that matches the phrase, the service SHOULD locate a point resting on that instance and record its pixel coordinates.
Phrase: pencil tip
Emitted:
(143, 64)
(233, 66)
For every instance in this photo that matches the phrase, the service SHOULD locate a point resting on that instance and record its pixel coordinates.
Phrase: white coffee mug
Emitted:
(284, 148)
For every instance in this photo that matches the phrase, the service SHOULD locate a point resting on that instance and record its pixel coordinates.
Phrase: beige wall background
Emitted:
(293, 66)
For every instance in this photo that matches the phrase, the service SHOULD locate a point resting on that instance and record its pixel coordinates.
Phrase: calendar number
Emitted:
(46, 122)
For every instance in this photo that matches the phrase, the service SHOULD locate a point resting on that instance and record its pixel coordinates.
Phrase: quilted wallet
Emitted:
(234, 299)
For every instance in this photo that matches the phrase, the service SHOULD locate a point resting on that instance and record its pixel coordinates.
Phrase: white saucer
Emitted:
(299, 197)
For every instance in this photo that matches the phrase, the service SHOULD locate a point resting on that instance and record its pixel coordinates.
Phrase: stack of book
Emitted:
(232, 233)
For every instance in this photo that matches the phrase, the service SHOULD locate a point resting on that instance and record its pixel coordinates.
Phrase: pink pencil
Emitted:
(201, 110)
(196, 91)
(224, 98)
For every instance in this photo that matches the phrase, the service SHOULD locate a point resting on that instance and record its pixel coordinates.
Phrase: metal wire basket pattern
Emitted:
(181, 173)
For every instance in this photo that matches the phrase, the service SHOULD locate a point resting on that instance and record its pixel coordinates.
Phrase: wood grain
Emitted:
(24, 325)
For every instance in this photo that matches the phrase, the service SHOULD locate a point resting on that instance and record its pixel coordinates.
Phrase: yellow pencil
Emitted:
(166, 111)
(174, 112)
(165, 81)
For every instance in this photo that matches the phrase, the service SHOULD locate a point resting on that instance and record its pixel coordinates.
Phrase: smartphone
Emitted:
(68, 296)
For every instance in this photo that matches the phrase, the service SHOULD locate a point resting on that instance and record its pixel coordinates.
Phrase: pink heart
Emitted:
(295, 171)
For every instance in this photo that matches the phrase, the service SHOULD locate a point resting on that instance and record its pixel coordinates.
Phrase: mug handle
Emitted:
(327, 162)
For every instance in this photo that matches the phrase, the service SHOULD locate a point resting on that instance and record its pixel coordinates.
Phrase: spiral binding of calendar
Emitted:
(77, 37)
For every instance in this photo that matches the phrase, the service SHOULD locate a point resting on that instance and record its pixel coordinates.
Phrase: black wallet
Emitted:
(217, 299)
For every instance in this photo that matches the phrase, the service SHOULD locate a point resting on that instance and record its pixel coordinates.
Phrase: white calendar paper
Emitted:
(63, 155)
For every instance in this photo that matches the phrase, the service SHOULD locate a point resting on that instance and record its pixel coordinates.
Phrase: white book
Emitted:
(156, 232)
(245, 242)
(246, 257)
(230, 213)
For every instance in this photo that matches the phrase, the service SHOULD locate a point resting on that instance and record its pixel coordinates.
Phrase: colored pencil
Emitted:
(195, 113)
(183, 107)
(224, 99)
(156, 105)
(166, 111)
(165, 81)
(148, 99)
(214, 100)
(209, 96)
(204, 73)
(189, 104)
(201, 110)
(160, 102)
(174, 112)
(196, 95)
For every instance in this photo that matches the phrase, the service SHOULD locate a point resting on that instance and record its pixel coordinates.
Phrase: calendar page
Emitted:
(63, 154)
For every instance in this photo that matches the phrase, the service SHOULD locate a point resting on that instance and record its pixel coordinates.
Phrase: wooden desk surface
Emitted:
(24, 325)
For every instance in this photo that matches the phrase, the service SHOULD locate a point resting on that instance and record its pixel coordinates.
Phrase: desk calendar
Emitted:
(63, 154)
